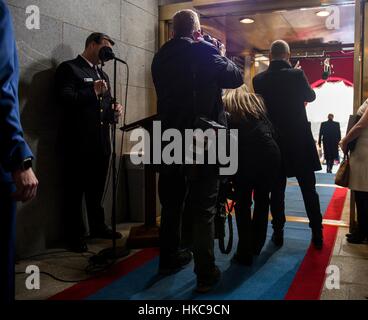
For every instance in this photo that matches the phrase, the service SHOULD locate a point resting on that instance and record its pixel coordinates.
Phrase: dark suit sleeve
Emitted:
(227, 73)
(308, 93)
(255, 85)
(68, 90)
(13, 148)
(339, 131)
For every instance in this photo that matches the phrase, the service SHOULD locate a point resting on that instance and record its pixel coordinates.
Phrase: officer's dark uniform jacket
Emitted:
(85, 125)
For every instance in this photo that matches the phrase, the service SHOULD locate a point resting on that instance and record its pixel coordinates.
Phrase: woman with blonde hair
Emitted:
(259, 162)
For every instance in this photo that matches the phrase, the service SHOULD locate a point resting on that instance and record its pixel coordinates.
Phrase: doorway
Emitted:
(314, 29)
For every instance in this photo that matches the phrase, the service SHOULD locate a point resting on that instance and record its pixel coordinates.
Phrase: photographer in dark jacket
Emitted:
(174, 67)
(285, 91)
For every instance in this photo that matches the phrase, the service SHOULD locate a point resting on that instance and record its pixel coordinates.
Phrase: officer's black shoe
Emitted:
(278, 237)
(257, 251)
(77, 246)
(105, 233)
(243, 259)
(207, 282)
(176, 263)
(317, 238)
(349, 235)
(355, 238)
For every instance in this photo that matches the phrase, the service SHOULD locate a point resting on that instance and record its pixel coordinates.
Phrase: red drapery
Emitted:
(343, 68)
(321, 82)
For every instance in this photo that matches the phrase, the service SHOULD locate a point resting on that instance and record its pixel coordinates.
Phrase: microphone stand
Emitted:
(115, 252)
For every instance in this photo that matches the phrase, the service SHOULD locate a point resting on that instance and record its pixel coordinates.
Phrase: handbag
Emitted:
(343, 174)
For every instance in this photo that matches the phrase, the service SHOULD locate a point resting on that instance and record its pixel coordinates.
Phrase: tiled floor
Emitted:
(67, 266)
(352, 261)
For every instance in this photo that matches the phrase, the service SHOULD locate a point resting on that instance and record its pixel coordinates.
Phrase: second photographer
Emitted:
(189, 74)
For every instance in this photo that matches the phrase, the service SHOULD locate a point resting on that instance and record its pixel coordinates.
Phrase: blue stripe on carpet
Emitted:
(268, 279)
(294, 205)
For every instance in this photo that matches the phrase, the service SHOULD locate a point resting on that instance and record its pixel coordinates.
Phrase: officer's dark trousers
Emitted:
(307, 183)
(88, 180)
(330, 164)
(196, 198)
(7, 244)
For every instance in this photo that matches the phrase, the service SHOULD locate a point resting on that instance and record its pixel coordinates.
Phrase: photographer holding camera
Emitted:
(189, 74)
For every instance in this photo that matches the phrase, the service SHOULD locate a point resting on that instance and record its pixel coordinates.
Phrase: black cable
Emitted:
(56, 278)
(122, 140)
(110, 162)
(107, 181)
(87, 270)
(124, 123)
(53, 253)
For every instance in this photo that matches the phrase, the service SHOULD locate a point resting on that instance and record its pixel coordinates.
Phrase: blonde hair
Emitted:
(185, 22)
(241, 104)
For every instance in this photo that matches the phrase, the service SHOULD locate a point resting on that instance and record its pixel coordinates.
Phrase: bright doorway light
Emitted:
(332, 97)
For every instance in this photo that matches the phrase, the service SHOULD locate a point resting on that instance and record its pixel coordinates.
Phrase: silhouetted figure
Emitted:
(17, 180)
(84, 94)
(185, 69)
(286, 90)
(330, 135)
(358, 179)
(256, 174)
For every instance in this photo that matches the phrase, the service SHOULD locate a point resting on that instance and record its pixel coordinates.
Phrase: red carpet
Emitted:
(309, 281)
(85, 289)
(307, 284)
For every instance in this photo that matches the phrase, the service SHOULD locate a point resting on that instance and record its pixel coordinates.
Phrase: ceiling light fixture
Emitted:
(247, 20)
(323, 13)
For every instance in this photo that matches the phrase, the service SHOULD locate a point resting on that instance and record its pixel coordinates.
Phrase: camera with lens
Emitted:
(213, 41)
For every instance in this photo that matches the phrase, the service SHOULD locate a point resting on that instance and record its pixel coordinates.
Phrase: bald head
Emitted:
(280, 50)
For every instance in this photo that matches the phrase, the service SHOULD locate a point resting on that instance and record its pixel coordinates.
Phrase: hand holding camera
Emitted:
(217, 43)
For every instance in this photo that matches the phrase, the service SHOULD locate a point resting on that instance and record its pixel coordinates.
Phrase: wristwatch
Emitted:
(26, 164)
